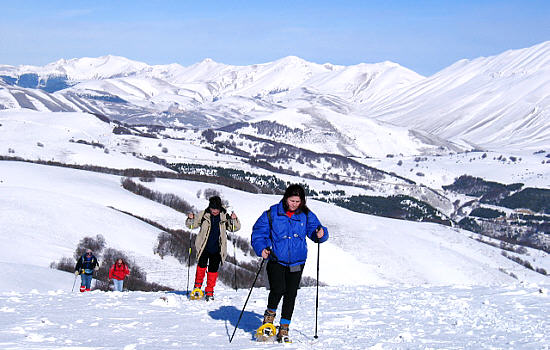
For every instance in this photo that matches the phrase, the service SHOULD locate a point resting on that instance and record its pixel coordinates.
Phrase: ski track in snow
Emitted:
(395, 317)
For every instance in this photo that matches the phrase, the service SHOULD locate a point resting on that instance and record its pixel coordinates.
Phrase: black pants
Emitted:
(211, 259)
(283, 283)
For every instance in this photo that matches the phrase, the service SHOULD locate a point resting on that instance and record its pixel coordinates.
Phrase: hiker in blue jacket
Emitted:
(279, 235)
(85, 267)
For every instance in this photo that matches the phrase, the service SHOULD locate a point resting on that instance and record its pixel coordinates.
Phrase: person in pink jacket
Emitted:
(117, 273)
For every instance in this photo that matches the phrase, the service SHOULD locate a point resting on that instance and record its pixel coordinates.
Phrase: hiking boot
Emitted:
(209, 297)
(269, 316)
(282, 335)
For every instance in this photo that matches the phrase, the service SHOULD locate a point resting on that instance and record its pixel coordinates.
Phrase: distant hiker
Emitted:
(211, 242)
(117, 273)
(85, 267)
(279, 235)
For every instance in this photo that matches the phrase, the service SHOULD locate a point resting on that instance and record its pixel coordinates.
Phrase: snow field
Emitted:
(349, 318)
(49, 209)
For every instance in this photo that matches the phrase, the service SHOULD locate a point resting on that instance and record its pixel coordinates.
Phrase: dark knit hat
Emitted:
(215, 202)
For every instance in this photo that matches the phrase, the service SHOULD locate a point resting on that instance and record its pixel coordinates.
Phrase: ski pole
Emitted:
(317, 294)
(72, 290)
(189, 260)
(234, 248)
(235, 256)
(242, 311)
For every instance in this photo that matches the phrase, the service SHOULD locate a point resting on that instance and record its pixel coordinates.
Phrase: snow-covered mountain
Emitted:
(177, 89)
(78, 69)
(319, 100)
(493, 102)
(210, 94)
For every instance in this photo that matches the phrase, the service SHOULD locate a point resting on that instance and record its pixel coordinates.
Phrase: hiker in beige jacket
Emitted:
(211, 241)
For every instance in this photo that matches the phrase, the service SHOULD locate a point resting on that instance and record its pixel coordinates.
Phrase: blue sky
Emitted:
(425, 36)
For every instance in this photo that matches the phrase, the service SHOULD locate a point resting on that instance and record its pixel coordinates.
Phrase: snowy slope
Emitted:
(70, 138)
(373, 318)
(15, 97)
(24, 278)
(7, 100)
(527, 167)
(60, 137)
(363, 82)
(493, 102)
(50, 208)
(56, 136)
(85, 68)
(320, 129)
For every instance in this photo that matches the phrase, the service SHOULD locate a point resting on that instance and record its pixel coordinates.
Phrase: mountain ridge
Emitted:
(484, 103)
(494, 101)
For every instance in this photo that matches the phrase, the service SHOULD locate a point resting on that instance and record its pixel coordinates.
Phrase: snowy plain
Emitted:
(359, 317)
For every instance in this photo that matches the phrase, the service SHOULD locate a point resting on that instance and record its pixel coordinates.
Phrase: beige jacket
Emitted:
(226, 224)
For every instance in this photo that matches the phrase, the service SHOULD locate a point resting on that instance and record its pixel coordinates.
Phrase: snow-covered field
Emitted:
(50, 136)
(391, 284)
(47, 210)
(378, 318)
(506, 167)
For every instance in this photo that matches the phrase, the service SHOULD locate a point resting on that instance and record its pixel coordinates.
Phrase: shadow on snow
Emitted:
(178, 292)
(250, 321)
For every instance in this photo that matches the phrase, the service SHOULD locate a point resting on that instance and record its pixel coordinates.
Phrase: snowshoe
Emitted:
(196, 294)
(266, 333)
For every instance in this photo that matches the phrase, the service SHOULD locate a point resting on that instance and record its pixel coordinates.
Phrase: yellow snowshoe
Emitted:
(196, 294)
(266, 332)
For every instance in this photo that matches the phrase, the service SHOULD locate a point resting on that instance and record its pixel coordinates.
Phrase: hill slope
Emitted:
(493, 102)
(51, 208)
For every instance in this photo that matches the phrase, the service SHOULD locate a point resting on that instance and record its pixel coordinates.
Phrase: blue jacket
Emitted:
(288, 236)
